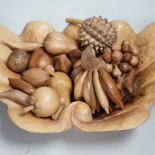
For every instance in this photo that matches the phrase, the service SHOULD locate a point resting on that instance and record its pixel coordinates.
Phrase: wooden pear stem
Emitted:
(74, 21)
(28, 109)
(57, 114)
(50, 70)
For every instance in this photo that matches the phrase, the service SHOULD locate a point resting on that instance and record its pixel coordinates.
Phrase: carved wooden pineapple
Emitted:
(97, 32)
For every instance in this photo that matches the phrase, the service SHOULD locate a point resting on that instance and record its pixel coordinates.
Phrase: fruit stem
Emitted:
(28, 109)
(74, 21)
(57, 114)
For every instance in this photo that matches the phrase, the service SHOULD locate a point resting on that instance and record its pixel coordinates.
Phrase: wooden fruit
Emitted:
(78, 115)
(36, 31)
(58, 43)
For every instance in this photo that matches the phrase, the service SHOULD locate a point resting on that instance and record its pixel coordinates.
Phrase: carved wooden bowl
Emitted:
(78, 114)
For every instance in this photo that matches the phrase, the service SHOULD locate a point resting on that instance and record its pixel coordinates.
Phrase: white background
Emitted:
(13, 141)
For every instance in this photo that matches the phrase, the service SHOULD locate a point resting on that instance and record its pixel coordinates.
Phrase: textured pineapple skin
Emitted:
(98, 33)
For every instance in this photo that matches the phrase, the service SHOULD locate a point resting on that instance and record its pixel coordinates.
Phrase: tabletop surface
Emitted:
(13, 141)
